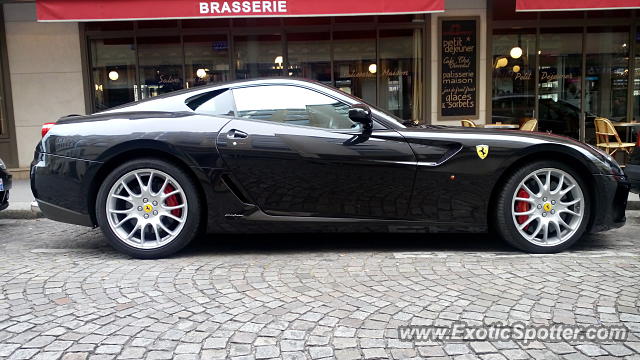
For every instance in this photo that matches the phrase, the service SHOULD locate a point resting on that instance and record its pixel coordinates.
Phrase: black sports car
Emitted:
(280, 155)
(5, 186)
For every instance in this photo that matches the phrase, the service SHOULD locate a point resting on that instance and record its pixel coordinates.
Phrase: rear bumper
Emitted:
(61, 187)
(633, 174)
(61, 214)
(610, 202)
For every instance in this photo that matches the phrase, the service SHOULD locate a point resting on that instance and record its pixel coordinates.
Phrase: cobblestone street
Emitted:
(67, 295)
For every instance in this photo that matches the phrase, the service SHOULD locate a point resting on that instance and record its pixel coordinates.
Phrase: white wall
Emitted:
(455, 8)
(46, 73)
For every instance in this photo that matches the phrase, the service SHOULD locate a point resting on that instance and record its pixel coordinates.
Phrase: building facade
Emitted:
(478, 60)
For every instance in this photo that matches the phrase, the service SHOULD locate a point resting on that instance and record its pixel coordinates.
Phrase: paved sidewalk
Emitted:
(64, 294)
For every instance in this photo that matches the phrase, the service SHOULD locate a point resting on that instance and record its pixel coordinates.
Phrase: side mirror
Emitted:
(361, 114)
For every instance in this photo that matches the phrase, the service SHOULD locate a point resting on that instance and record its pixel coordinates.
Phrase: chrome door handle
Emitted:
(237, 134)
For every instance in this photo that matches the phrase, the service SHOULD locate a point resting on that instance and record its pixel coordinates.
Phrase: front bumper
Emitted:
(609, 203)
(633, 174)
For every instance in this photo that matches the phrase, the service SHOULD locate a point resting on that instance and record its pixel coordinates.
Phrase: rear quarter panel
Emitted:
(99, 138)
(69, 161)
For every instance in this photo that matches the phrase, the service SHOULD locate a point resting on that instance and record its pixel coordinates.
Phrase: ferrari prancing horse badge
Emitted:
(482, 150)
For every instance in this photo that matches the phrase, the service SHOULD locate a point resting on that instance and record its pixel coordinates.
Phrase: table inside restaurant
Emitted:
(629, 125)
(501, 126)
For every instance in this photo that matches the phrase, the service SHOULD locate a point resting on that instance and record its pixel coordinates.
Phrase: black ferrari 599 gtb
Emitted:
(282, 155)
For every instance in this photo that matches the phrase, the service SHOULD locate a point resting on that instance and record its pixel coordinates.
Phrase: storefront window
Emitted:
(206, 59)
(401, 72)
(161, 62)
(207, 51)
(113, 69)
(310, 56)
(258, 56)
(560, 81)
(607, 73)
(636, 79)
(580, 62)
(355, 67)
(2, 105)
(514, 58)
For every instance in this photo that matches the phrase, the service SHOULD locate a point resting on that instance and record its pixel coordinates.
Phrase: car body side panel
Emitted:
(303, 171)
(459, 187)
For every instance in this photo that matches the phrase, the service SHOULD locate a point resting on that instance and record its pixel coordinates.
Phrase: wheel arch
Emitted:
(132, 150)
(567, 157)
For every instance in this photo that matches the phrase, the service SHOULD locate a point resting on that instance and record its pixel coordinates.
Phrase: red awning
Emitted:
(97, 10)
(555, 5)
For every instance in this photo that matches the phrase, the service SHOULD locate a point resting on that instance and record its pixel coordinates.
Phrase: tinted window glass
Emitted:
(292, 105)
(218, 102)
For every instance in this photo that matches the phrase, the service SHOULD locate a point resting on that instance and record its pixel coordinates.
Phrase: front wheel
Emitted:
(543, 208)
(148, 208)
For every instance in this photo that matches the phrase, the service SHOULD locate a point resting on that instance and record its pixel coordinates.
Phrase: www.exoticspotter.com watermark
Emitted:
(517, 331)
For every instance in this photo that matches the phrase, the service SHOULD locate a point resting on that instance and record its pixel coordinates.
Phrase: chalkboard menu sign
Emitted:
(458, 69)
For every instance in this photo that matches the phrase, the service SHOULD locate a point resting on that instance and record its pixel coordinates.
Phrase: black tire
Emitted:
(188, 232)
(504, 223)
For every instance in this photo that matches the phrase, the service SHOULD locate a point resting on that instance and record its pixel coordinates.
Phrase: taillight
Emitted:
(46, 127)
(638, 139)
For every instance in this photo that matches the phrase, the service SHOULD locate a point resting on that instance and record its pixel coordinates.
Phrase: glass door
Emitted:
(113, 67)
(258, 56)
(310, 55)
(160, 60)
(560, 81)
(401, 77)
(514, 61)
(355, 67)
(206, 59)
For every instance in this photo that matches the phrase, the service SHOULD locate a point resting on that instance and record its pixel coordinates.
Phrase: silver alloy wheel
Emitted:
(548, 207)
(146, 208)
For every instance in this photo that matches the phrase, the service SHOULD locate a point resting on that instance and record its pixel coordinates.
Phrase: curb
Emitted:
(19, 214)
(22, 210)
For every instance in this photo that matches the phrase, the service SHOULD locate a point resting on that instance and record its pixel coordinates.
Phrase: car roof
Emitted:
(186, 93)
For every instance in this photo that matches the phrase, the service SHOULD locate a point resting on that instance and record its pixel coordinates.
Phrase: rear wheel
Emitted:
(543, 208)
(148, 208)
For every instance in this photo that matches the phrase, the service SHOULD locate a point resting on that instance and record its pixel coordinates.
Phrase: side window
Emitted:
(218, 102)
(292, 105)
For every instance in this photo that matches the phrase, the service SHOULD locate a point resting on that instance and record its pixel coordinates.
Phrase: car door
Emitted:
(294, 151)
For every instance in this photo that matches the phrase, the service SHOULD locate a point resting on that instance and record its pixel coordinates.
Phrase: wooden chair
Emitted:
(468, 123)
(529, 125)
(604, 130)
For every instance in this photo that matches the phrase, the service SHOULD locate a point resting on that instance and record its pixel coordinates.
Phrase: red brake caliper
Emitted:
(172, 201)
(522, 206)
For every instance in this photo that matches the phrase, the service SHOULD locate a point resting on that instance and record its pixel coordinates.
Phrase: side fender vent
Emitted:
(235, 189)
